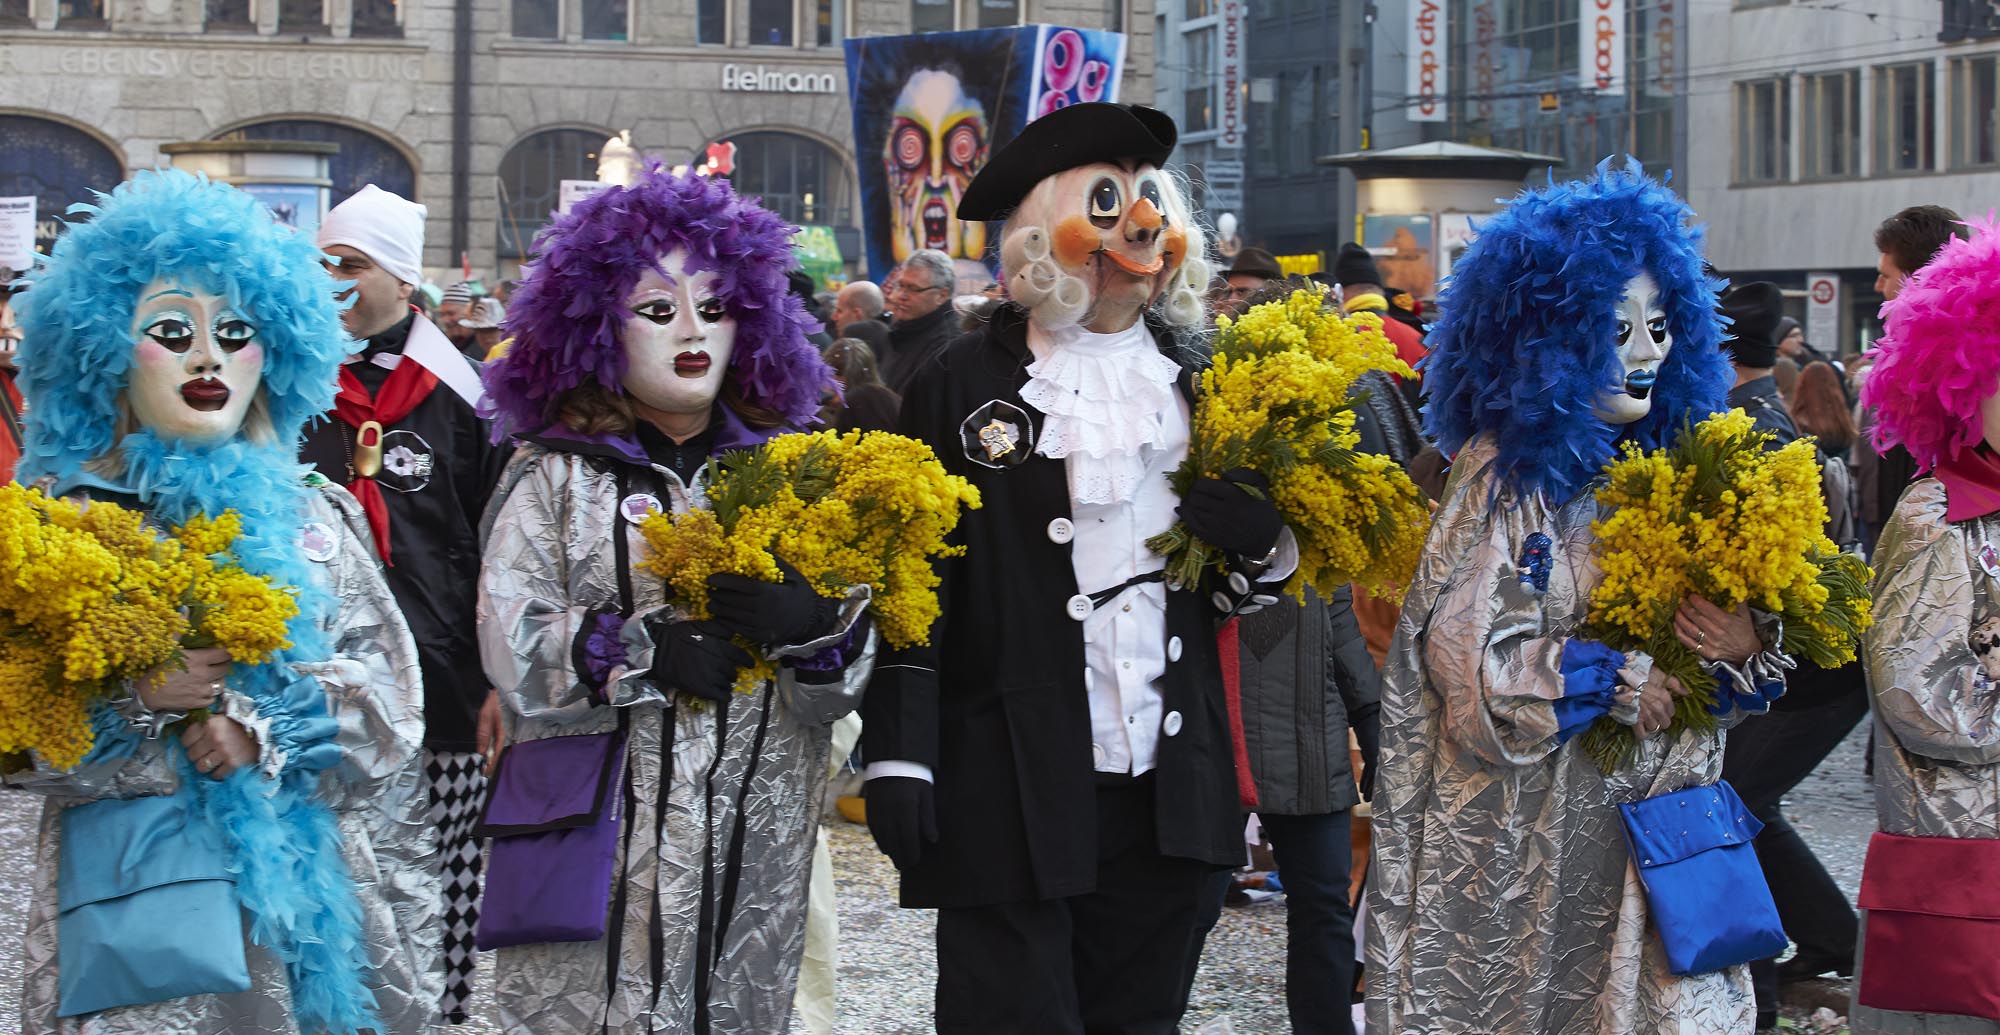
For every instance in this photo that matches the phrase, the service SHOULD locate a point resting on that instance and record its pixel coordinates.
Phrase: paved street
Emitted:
(886, 952)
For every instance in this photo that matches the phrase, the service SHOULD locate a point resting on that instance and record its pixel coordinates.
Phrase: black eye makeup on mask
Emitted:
(233, 332)
(659, 310)
(711, 310)
(173, 331)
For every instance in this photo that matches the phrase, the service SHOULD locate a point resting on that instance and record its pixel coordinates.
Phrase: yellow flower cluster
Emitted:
(864, 507)
(1277, 398)
(1719, 515)
(90, 596)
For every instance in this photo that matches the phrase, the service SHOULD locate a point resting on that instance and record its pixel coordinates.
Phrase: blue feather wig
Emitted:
(1525, 345)
(284, 842)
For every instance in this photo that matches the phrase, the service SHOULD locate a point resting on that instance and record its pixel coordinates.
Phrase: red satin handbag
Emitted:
(1932, 942)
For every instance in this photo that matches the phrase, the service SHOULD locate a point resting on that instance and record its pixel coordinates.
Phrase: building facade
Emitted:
(476, 108)
(1821, 121)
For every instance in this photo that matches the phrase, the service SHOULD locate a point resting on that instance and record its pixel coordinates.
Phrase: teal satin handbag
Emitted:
(146, 907)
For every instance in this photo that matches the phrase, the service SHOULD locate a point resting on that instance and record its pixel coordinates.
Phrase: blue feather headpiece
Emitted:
(1525, 345)
(168, 225)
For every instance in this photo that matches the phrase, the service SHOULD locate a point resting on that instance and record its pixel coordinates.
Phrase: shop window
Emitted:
(998, 13)
(537, 19)
(606, 20)
(1905, 99)
(932, 16)
(799, 178)
(1830, 106)
(226, 16)
(377, 18)
(1114, 15)
(1198, 101)
(80, 14)
(771, 22)
(363, 158)
(531, 178)
(307, 16)
(829, 21)
(1763, 130)
(1975, 138)
(711, 21)
(59, 165)
(1199, 9)
(14, 12)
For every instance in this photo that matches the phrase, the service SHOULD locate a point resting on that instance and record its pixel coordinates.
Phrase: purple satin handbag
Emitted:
(553, 816)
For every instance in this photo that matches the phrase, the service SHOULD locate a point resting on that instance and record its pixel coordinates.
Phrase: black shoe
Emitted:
(1808, 966)
(1767, 1022)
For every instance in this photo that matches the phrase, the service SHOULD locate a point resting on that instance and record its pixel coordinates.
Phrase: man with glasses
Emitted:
(918, 295)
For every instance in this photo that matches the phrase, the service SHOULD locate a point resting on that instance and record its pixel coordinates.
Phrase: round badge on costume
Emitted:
(635, 507)
(316, 541)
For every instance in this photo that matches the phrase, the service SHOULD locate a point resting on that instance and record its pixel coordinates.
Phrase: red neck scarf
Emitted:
(1971, 483)
(407, 387)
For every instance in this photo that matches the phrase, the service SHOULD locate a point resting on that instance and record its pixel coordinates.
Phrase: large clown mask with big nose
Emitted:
(1643, 343)
(678, 338)
(1110, 226)
(196, 364)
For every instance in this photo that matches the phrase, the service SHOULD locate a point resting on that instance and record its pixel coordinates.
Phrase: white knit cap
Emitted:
(386, 228)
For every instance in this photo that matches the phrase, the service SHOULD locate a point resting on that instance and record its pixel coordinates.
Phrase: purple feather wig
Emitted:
(1939, 355)
(568, 317)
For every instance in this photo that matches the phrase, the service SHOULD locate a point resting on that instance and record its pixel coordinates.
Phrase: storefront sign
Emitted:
(569, 193)
(1662, 28)
(771, 80)
(1231, 69)
(1428, 81)
(1485, 58)
(1601, 47)
(1823, 310)
(17, 232)
(191, 63)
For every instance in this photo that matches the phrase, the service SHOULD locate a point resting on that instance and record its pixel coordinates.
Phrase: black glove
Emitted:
(695, 658)
(903, 817)
(777, 614)
(1367, 726)
(1222, 513)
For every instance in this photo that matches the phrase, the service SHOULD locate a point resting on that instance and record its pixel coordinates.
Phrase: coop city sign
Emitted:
(1428, 44)
(1601, 46)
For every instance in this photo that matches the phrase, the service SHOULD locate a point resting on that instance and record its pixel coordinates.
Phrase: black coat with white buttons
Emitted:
(996, 705)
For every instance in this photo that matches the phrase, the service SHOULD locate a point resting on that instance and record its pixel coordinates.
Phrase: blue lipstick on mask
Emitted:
(1639, 383)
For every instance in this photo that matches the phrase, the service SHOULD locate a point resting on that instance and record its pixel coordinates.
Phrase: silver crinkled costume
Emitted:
(1502, 899)
(1937, 743)
(376, 791)
(550, 560)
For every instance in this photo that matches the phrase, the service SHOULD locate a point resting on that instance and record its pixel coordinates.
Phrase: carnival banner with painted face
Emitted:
(929, 109)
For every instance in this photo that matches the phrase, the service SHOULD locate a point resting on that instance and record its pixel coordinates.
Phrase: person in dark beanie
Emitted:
(1767, 755)
(1252, 269)
(1361, 291)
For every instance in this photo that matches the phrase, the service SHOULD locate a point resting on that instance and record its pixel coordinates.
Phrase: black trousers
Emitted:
(1764, 758)
(1315, 855)
(1106, 963)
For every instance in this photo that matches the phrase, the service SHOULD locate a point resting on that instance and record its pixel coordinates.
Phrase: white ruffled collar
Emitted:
(1107, 399)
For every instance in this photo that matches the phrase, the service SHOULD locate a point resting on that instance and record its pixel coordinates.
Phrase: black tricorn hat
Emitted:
(1066, 138)
(1754, 310)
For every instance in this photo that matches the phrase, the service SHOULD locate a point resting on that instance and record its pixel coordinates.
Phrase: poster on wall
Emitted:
(296, 205)
(929, 109)
(1402, 247)
(17, 232)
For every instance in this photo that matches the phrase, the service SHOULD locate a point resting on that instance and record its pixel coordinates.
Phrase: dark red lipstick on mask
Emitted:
(691, 364)
(205, 394)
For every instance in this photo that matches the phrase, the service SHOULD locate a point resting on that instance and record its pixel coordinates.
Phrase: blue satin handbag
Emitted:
(146, 907)
(1709, 899)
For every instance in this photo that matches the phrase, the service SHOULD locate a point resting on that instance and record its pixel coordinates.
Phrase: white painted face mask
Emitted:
(1643, 344)
(196, 364)
(678, 338)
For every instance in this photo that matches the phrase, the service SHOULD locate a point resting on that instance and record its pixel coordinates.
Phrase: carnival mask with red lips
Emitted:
(936, 144)
(196, 364)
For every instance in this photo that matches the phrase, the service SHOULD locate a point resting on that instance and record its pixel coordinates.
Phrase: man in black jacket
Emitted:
(404, 437)
(919, 300)
(1768, 755)
(1053, 772)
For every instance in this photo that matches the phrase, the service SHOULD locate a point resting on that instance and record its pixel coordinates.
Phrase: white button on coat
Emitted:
(1061, 531)
(1080, 607)
(1173, 648)
(1171, 726)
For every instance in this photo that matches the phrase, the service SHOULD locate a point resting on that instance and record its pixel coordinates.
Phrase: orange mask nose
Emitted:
(1144, 216)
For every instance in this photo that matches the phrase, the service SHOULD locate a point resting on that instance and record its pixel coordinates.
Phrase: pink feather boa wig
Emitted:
(1940, 351)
